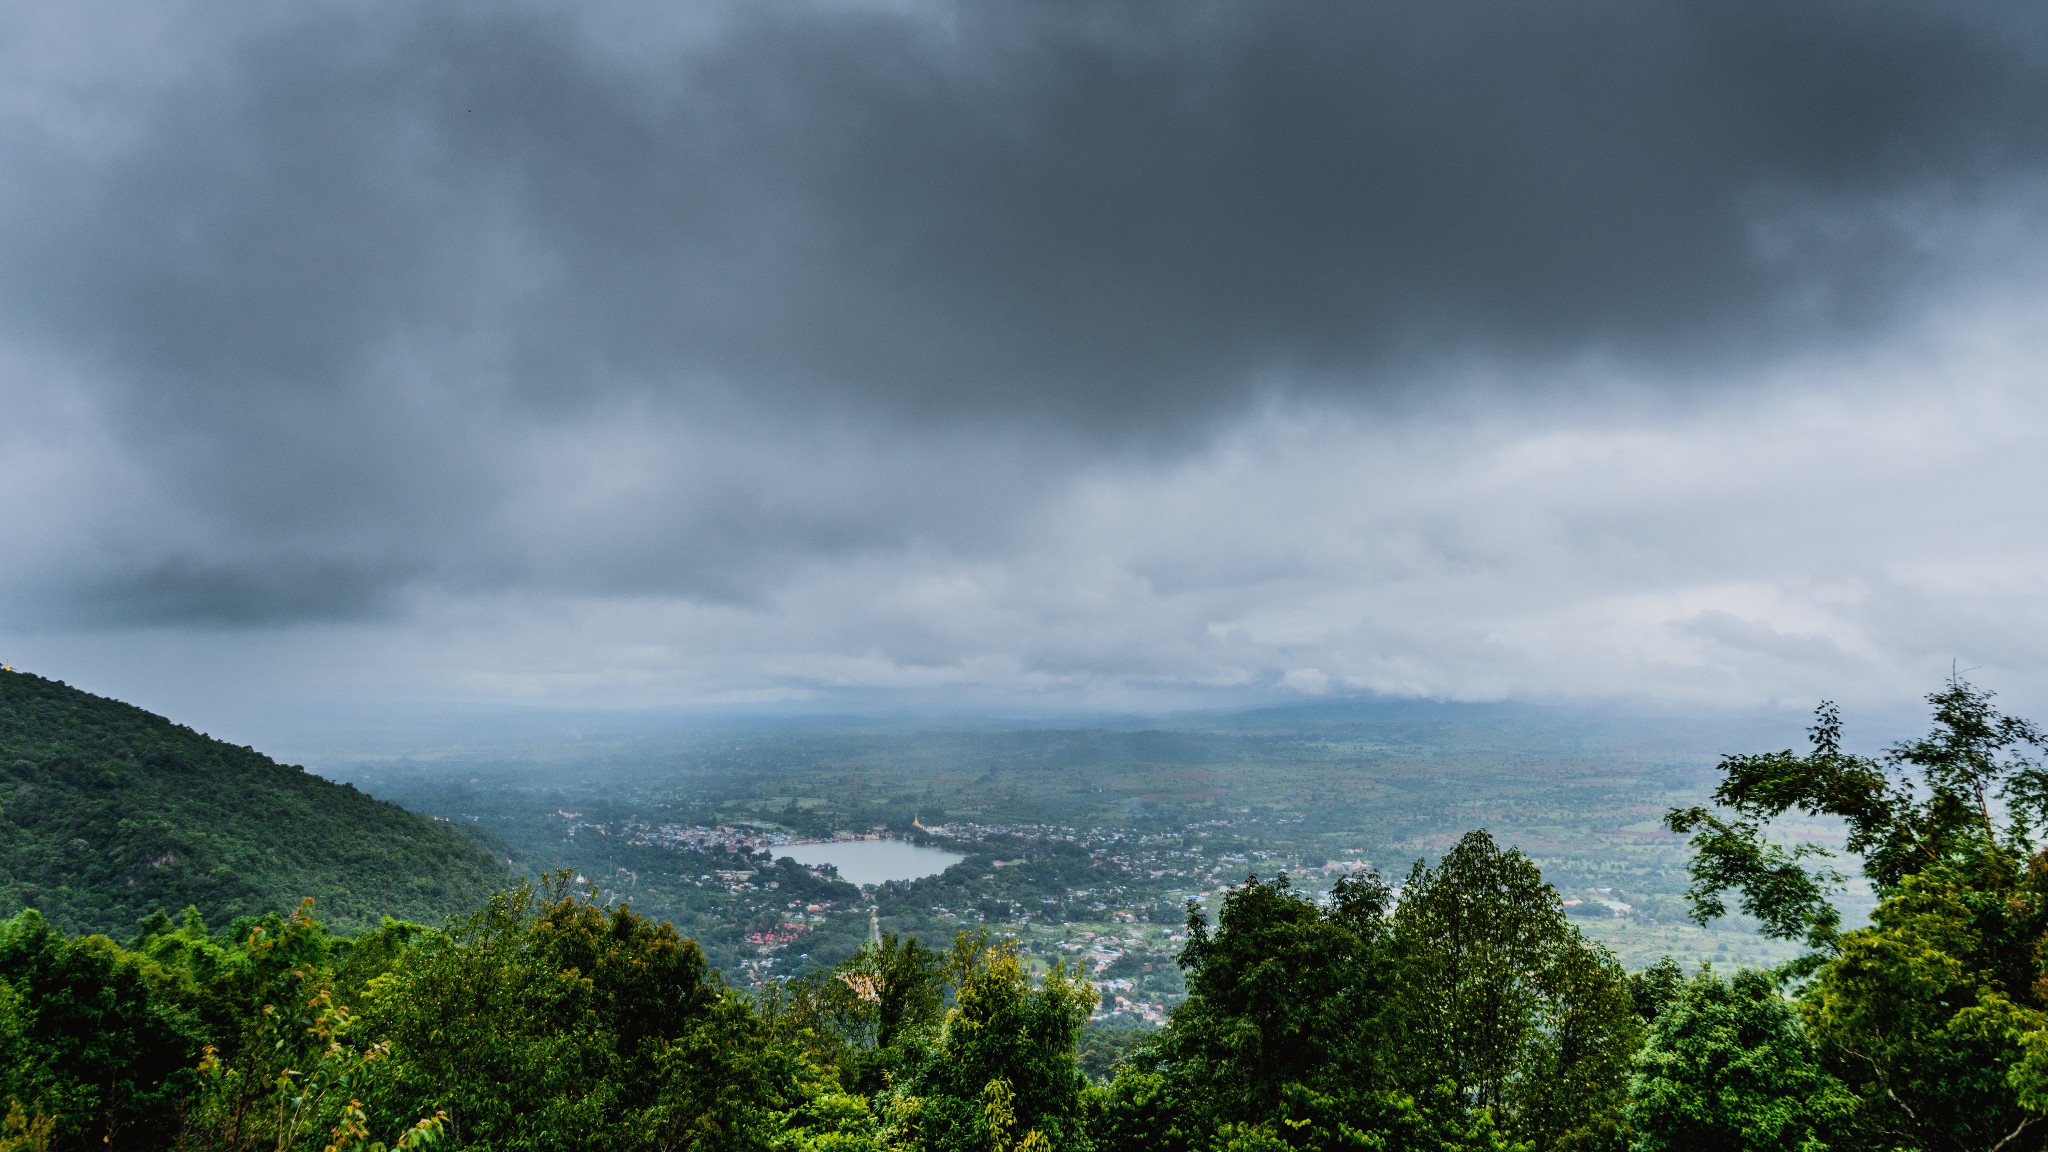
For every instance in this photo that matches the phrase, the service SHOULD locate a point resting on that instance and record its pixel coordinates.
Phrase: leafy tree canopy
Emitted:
(1968, 796)
(1931, 1016)
(109, 813)
(1727, 1068)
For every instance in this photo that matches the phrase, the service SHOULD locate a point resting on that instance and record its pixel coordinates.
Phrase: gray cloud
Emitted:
(322, 314)
(1091, 213)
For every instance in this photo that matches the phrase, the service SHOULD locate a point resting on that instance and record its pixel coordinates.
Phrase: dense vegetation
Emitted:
(1462, 1010)
(108, 812)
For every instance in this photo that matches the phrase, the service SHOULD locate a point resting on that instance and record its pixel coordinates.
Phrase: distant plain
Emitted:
(1089, 841)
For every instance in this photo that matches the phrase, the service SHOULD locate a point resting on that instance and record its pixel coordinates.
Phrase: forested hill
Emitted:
(109, 813)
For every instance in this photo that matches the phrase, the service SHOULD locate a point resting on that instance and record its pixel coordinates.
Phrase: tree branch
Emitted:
(2010, 1136)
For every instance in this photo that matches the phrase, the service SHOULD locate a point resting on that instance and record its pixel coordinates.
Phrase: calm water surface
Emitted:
(873, 861)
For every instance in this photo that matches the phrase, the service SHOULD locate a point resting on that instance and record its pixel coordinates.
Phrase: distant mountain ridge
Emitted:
(108, 813)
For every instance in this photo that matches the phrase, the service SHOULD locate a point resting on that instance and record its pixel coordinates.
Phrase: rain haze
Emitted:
(362, 359)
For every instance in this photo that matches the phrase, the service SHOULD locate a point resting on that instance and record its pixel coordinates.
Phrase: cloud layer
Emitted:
(1108, 352)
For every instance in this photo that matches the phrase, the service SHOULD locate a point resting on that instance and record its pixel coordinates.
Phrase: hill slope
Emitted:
(108, 812)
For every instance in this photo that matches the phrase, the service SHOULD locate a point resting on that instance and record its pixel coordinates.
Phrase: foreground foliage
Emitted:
(1462, 1011)
(1932, 1017)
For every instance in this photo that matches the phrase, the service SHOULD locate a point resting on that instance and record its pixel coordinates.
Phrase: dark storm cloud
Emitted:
(278, 589)
(331, 268)
(1083, 209)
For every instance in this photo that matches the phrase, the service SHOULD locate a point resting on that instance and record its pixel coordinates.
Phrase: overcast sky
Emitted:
(1022, 355)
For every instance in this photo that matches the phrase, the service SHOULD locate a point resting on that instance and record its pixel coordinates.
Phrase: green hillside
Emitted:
(108, 813)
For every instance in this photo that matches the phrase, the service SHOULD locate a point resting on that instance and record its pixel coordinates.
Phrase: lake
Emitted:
(872, 861)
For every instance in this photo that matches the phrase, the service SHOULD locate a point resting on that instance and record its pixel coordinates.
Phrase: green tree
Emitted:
(1727, 1068)
(1002, 1074)
(1141, 1111)
(869, 1019)
(1655, 988)
(92, 1050)
(22, 1129)
(1912, 1015)
(1282, 1036)
(546, 1021)
(1966, 796)
(1927, 1014)
(1283, 993)
(288, 1066)
(1569, 1091)
(1502, 1001)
